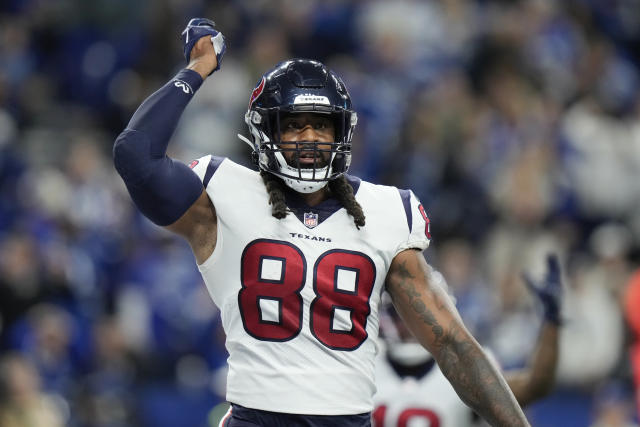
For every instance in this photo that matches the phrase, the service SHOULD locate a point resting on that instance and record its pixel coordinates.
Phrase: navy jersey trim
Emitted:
(212, 167)
(244, 417)
(325, 209)
(406, 202)
(354, 181)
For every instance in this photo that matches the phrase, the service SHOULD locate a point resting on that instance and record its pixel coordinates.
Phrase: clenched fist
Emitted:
(203, 46)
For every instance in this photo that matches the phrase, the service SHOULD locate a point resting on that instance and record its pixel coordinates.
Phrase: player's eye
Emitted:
(323, 125)
(291, 124)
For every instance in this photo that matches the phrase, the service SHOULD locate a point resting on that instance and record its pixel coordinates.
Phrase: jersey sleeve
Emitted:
(199, 166)
(419, 233)
(205, 167)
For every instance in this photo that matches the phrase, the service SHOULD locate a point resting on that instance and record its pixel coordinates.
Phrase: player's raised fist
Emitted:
(548, 290)
(203, 46)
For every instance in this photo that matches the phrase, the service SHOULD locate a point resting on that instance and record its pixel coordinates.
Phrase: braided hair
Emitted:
(276, 194)
(339, 188)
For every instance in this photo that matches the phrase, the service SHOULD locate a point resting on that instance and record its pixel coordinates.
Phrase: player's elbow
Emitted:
(538, 388)
(161, 188)
(132, 156)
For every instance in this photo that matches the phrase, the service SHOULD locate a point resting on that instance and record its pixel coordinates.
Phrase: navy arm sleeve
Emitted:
(162, 188)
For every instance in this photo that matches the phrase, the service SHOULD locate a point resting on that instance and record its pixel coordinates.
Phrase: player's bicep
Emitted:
(424, 306)
(199, 226)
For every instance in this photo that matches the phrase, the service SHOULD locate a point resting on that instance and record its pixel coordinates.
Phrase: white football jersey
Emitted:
(299, 296)
(429, 401)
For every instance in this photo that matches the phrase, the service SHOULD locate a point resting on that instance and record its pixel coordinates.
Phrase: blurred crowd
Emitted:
(517, 124)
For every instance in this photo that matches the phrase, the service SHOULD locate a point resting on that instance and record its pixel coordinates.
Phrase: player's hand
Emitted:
(549, 290)
(203, 46)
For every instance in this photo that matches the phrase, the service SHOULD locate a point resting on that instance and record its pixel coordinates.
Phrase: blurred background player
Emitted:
(412, 391)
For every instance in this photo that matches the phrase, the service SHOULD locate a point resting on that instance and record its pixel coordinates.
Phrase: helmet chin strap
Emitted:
(305, 187)
(300, 186)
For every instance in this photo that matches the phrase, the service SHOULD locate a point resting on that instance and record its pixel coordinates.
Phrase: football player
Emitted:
(413, 391)
(297, 254)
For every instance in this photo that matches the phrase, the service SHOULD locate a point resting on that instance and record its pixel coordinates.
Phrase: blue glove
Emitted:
(198, 28)
(549, 290)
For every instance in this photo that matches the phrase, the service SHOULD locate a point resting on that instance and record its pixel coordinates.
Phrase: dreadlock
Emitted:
(339, 188)
(276, 194)
(343, 191)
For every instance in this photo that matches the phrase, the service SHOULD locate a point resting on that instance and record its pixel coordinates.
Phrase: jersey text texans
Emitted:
(307, 237)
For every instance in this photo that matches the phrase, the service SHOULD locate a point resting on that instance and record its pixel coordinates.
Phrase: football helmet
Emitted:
(300, 86)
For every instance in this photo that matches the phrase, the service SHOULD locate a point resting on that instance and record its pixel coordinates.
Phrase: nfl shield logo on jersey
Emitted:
(310, 219)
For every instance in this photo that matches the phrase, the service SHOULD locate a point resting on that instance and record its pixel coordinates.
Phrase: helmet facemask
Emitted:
(282, 97)
(331, 159)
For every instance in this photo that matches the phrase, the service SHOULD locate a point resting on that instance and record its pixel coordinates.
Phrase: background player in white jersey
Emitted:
(412, 391)
(297, 255)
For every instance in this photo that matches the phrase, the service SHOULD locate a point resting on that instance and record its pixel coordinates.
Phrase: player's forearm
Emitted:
(545, 361)
(158, 115)
(476, 379)
(537, 379)
(162, 188)
(143, 143)
(427, 311)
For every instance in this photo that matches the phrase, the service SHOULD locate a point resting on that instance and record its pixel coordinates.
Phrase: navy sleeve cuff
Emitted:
(188, 80)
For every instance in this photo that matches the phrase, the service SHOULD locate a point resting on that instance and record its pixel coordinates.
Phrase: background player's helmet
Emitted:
(401, 346)
(295, 86)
